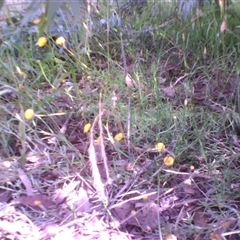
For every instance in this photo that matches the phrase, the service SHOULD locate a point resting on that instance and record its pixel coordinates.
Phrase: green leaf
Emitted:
(75, 7)
(1, 4)
(51, 8)
(31, 11)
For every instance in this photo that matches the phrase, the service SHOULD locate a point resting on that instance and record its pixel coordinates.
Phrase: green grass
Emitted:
(193, 59)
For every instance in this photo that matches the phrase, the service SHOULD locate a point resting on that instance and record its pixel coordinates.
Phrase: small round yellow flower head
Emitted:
(87, 127)
(171, 237)
(41, 42)
(118, 137)
(160, 147)
(192, 167)
(29, 114)
(60, 41)
(168, 161)
(133, 213)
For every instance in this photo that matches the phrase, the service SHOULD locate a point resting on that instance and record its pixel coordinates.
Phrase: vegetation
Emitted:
(123, 127)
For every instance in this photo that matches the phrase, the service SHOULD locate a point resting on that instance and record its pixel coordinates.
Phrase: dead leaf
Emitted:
(199, 218)
(168, 91)
(215, 236)
(33, 157)
(26, 182)
(199, 12)
(66, 191)
(189, 188)
(51, 229)
(76, 199)
(120, 165)
(21, 229)
(142, 214)
(122, 211)
(95, 224)
(129, 81)
(5, 195)
(36, 201)
(8, 171)
(145, 88)
(223, 27)
(79, 201)
(147, 217)
(218, 233)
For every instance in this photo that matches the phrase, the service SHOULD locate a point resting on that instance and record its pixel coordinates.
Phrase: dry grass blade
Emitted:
(97, 181)
(103, 152)
(26, 182)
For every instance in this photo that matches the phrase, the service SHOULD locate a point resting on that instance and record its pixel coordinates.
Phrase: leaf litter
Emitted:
(129, 209)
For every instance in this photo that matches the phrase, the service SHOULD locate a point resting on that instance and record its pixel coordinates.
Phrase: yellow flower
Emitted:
(160, 147)
(41, 42)
(192, 167)
(168, 161)
(133, 213)
(60, 41)
(118, 137)
(29, 114)
(87, 127)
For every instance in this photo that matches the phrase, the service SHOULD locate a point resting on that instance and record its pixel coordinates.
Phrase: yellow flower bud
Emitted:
(168, 161)
(160, 147)
(41, 42)
(118, 137)
(87, 127)
(29, 114)
(60, 41)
